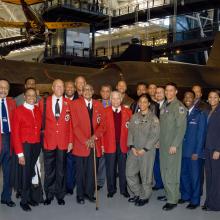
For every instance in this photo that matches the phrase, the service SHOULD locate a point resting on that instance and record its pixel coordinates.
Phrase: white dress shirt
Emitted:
(87, 102)
(119, 109)
(6, 106)
(161, 103)
(54, 101)
(190, 110)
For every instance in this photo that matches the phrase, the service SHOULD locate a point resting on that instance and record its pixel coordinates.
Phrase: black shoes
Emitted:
(99, 187)
(47, 201)
(80, 200)
(90, 198)
(25, 207)
(18, 195)
(60, 201)
(126, 194)
(133, 199)
(162, 198)
(69, 192)
(191, 206)
(206, 208)
(33, 203)
(154, 188)
(169, 206)
(9, 204)
(141, 202)
(110, 194)
(181, 201)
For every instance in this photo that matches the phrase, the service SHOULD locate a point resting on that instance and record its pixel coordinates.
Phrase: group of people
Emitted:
(154, 142)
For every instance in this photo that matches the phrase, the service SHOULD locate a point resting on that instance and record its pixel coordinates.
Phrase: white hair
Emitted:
(115, 93)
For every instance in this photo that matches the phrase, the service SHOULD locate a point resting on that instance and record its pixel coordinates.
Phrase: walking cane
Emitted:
(96, 185)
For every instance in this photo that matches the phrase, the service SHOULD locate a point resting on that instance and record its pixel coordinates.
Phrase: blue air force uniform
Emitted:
(193, 143)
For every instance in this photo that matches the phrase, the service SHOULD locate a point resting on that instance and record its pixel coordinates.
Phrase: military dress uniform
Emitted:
(143, 133)
(172, 130)
(193, 143)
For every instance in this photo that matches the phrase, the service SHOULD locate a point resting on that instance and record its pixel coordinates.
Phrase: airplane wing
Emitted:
(63, 25)
(12, 24)
(19, 2)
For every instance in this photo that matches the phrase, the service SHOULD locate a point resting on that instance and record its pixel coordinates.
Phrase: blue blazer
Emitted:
(213, 131)
(194, 139)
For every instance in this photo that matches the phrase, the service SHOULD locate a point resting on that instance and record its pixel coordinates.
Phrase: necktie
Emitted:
(89, 106)
(5, 127)
(57, 109)
(116, 110)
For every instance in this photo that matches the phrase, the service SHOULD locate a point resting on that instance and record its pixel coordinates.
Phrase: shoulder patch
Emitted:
(181, 110)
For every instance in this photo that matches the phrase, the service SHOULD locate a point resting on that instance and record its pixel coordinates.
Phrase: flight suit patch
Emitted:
(181, 110)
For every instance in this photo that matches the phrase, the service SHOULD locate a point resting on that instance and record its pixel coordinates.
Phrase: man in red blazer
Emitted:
(7, 108)
(115, 144)
(88, 127)
(57, 141)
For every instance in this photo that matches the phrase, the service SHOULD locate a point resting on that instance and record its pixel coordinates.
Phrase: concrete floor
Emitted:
(116, 208)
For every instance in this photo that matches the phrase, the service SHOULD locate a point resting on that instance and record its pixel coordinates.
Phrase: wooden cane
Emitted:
(96, 185)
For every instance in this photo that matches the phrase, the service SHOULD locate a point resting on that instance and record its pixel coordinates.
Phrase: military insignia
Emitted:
(181, 110)
(98, 119)
(127, 124)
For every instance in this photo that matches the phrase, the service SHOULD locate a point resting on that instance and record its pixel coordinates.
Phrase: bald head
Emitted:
(80, 82)
(58, 87)
(4, 88)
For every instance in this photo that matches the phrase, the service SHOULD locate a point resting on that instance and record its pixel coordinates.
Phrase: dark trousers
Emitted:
(55, 170)
(31, 154)
(70, 171)
(190, 180)
(157, 174)
(112, 162)
(85, 175)
(5, 161)
(212, 172)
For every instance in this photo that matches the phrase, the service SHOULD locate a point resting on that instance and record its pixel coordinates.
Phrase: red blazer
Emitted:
(26, 127)
(109, 136)
(11, 105)
(81, 126)
(57, 134)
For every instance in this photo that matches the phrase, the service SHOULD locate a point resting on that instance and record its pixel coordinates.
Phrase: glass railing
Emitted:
(103, 9)
(117, 50)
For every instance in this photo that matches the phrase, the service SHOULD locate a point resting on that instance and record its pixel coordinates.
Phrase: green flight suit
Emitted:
(172, 130)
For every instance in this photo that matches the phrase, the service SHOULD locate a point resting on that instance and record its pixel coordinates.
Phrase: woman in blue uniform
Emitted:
(212, 154)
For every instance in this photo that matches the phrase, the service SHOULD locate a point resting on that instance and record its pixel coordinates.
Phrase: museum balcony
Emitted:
(98, 14)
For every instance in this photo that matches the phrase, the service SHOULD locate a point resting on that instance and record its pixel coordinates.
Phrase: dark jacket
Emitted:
(194, 139)
(213, 130)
